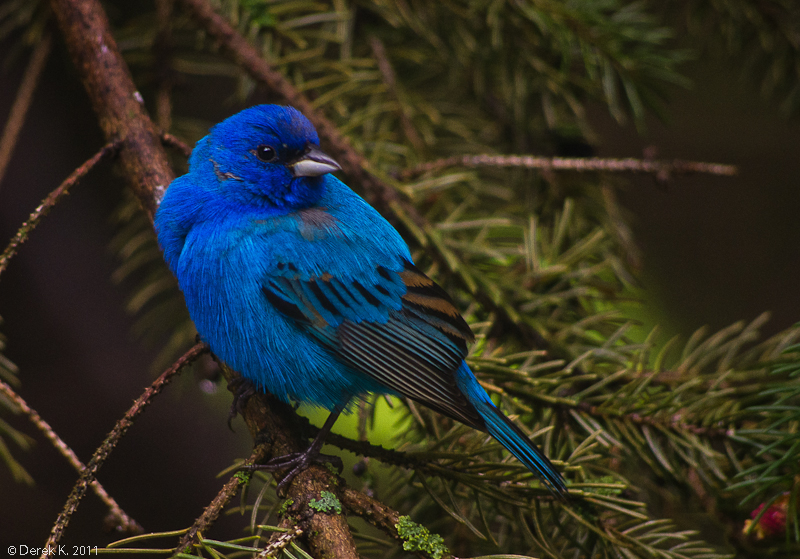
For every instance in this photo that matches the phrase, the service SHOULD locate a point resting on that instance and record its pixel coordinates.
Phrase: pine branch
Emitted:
(675, 423)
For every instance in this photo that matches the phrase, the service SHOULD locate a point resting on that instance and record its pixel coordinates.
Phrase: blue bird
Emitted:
(297, 283)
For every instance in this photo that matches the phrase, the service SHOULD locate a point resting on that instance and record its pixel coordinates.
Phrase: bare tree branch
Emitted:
(117, 518)
(117, 103)
(47, 204)
(16, 116)
(102, 453)
(213, 510)
(661, 169)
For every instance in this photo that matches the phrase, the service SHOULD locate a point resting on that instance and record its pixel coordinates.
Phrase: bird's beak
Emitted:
(313, 163)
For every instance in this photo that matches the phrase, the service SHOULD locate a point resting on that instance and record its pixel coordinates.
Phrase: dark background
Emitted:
(715, 250)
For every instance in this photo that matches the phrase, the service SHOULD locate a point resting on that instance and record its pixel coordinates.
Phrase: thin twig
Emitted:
(119, 430)
(280, 542)
(117, 518)
(22, 102)
(661, 169)
(33, 220)
(174, 142)
(214, 508)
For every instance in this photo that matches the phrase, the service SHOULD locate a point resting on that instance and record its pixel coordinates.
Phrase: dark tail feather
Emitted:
(508, 434)
(512, 437)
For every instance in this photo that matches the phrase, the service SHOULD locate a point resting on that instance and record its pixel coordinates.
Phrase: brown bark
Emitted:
(123, 118)
(117, 103)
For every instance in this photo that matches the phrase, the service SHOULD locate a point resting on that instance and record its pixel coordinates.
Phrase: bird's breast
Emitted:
(222, 284)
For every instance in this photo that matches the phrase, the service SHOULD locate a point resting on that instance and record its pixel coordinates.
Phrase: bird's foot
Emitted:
(242, 390)
(296, 463)
(299, 461)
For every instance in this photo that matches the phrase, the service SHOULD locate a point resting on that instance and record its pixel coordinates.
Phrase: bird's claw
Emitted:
(295, 463)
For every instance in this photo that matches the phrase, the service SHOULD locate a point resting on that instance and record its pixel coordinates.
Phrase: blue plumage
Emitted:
(302, 287)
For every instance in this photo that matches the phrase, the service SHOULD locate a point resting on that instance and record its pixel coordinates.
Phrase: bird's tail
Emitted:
(508, 434)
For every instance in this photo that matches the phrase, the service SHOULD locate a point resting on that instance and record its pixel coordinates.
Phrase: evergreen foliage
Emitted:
(536, 262)
(762, 36)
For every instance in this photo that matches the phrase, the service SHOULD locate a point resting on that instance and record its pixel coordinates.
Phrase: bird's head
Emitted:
(267, 156)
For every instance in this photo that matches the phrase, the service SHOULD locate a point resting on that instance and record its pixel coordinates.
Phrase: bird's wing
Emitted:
(397, 327)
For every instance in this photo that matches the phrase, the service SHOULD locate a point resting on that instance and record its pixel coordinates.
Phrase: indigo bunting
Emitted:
(297, 283)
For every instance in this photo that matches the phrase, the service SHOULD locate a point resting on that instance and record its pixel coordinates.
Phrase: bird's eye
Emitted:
(265, 153)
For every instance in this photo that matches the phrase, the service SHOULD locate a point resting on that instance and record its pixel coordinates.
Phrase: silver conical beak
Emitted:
(313, 163)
